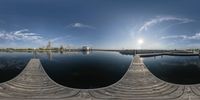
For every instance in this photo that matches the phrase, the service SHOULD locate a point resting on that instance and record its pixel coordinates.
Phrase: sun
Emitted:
(140, 41)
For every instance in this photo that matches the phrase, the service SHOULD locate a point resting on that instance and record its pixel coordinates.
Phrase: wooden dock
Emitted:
(137, 84)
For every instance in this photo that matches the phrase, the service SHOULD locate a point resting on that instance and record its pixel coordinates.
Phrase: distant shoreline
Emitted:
(125, 51)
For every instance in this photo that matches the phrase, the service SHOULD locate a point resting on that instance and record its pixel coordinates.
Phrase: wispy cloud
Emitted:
(192, 37)
(80, 25)
(156, 20)
(30, 39)
(60, 38)
(23, 34)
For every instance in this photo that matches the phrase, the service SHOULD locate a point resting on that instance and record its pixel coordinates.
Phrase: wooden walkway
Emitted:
(33, 83)
(137, 84)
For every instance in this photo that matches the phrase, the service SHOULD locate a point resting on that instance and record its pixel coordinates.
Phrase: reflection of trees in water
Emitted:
(35, 55)
(49, 54)
(67, 53)
(86, 52)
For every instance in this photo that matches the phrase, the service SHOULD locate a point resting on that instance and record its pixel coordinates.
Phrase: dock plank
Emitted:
(137, 84)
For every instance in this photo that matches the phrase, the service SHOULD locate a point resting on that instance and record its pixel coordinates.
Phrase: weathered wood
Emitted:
(137, 84)
(33, 83)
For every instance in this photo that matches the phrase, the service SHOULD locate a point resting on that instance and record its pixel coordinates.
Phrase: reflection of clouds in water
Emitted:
(80, 70)
(11, 64)
(182, 61)
(175, 69)
(71, 53)
(180, 64)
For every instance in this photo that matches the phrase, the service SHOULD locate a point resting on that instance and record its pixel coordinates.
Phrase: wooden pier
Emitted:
(137, 84)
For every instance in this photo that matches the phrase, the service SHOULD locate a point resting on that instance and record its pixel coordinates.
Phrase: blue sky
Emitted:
(112, 24)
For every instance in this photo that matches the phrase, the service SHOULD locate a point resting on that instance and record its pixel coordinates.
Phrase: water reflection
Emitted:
(175, 69)
(12, 63)
(49, 53)
(85, 69)
(86, 52)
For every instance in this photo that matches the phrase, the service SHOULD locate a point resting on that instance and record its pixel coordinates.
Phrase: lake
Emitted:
(12, 63)
(85, 70)
(175, 69)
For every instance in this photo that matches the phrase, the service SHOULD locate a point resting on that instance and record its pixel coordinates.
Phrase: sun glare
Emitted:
(140, 41)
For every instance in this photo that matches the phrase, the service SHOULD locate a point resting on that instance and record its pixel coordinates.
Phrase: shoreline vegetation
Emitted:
(122, 51)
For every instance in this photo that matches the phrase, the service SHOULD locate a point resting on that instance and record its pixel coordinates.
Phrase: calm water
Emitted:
(175, 69)
(85, 70)
(11, 64)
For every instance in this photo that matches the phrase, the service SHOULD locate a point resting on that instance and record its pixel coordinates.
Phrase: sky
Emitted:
(108, 24)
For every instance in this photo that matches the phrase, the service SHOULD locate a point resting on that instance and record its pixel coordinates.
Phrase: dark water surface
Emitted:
(85, 70)
(12, 63)
(175, 69)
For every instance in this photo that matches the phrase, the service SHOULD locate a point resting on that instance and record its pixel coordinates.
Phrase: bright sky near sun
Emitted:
(140, 41)
(112, 24)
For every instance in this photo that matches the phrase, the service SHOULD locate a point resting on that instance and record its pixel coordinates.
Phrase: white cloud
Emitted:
(194, 37)
(31, 39)
(156, 20)
(80, 25)
(20, 35)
